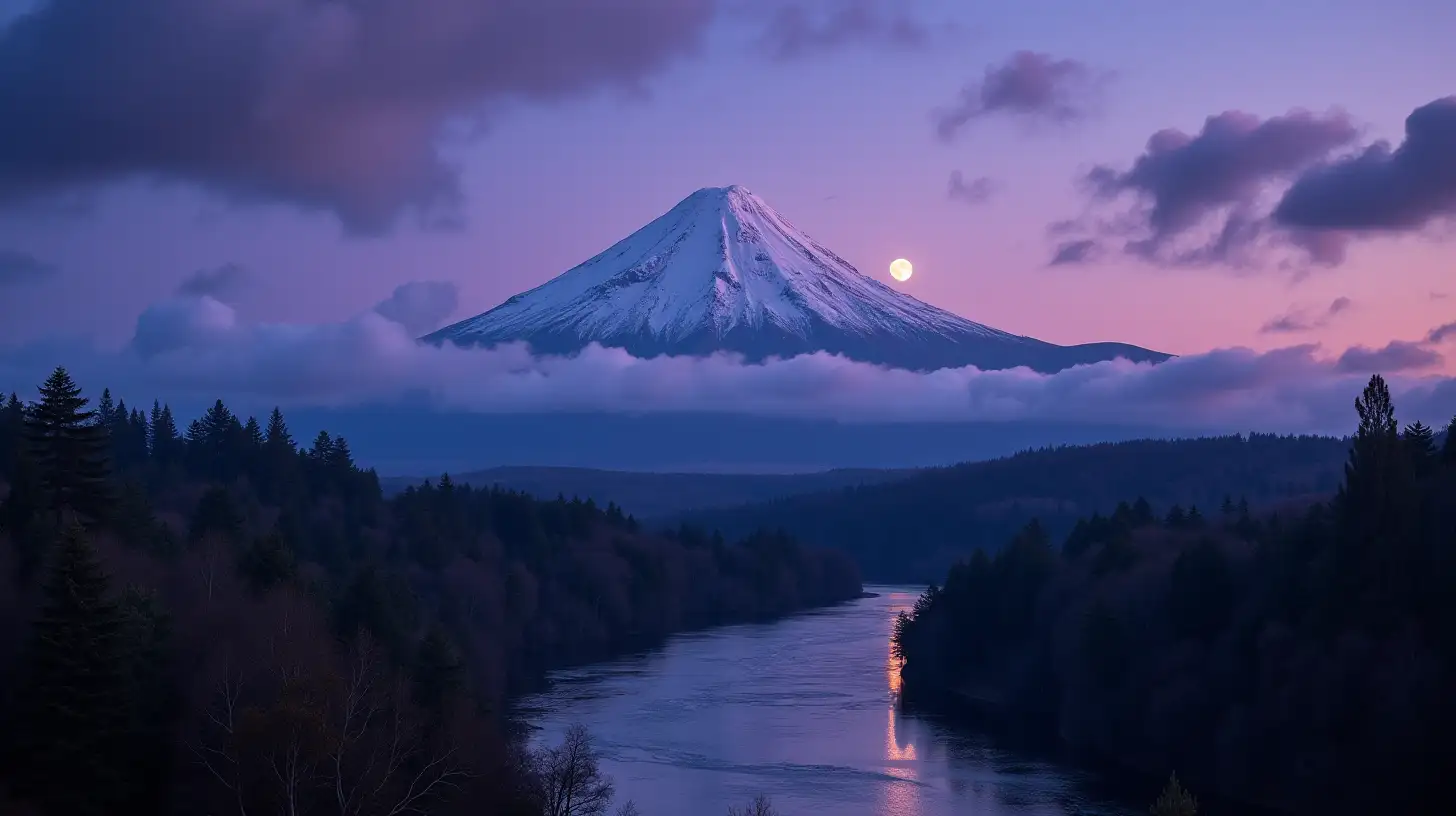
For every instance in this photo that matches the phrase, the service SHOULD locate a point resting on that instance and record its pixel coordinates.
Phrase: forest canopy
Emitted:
(1297, 659)
(215, 618)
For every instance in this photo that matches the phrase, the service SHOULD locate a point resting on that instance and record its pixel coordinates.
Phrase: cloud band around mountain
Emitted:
(198, 348)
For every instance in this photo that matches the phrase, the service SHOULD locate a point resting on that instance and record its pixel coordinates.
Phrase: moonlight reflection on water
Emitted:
(803, 710)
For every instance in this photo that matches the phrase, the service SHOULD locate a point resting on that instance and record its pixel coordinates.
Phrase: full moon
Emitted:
(900, 269)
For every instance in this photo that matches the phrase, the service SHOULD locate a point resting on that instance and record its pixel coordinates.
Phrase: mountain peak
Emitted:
(724, 271)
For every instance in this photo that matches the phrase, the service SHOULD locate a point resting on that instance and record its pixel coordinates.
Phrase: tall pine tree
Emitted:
(1373, 483)
(162, 434)
(69, 449)
(75, 704)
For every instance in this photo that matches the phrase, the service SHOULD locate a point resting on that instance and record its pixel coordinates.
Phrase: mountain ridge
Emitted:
(722, 271)
(913, 528)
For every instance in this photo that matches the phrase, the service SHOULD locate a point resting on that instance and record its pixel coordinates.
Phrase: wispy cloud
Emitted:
(1302, 320)
(973, 191)
(1029, 85)
(798, 29)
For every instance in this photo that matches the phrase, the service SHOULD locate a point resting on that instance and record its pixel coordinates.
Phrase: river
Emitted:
(804, 711)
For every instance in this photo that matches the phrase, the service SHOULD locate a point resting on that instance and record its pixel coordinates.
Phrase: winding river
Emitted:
(802, 710)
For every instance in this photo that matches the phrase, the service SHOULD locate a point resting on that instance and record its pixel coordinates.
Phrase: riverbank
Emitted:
(647, 644)
(984, 710)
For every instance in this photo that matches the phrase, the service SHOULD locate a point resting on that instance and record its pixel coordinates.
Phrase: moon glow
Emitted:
(901, 270)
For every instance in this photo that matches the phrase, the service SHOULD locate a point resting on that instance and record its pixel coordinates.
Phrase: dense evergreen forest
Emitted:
(654, 496)
(1300, 660)
(217, 620)
(911, 530)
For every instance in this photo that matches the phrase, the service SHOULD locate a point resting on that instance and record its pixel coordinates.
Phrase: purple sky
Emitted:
(161, 151)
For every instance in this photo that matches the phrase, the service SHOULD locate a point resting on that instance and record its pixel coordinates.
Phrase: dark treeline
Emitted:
(218, 620)
(1302, 661)
(938, 516)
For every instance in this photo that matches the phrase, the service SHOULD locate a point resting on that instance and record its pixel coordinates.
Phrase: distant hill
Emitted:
(655, 495)
(913, 528)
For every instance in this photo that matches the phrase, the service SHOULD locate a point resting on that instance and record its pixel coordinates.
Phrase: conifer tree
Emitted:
(1448, 448)
(1176, 517)
(105, 408)
(128, 430)
(1420, 443)
(1142, 512)
(213, 442)
(1195, 517)
(74, 702)
(1175, 801)
(277, 435)
(1372, 475)
(323, 445)
(69, 449)
(339, 455)
(253, 431)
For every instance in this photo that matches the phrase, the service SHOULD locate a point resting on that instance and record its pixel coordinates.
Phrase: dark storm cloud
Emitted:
(1395, 356)
(421, 306)
(221, 282)
(330, 105)
(1028, 84)
(1383, 189)
(1081, 251)
(1182, 181)
(975, 191)
(22, 267)
(1300, 320)
(798, 29)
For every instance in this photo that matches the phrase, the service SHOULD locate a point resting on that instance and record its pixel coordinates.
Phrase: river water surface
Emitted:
(804, 711)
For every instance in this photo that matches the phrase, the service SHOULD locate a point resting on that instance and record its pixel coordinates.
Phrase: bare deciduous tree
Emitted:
(305, 733)
(376, 740)
(570, 777)
(760, 806)
(217, 749)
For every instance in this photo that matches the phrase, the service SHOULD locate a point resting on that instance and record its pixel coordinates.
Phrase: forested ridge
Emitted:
(652, 496)
(218, 620)
(1301, 660)
(913, 529)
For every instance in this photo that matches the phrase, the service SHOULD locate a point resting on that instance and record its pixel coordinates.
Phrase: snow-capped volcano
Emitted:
(723, 271)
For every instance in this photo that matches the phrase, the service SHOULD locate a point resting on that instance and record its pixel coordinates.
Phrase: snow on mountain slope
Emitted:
(723, 271)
